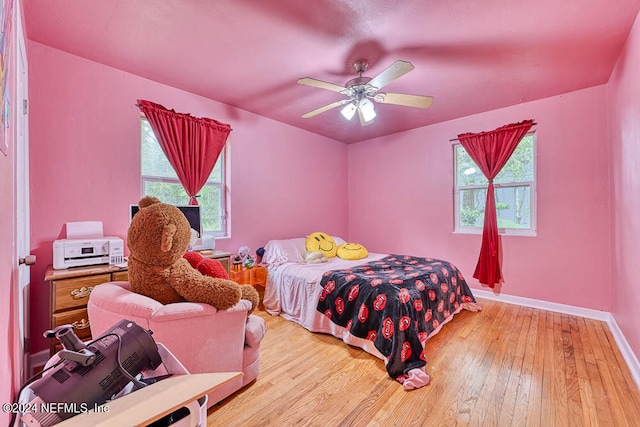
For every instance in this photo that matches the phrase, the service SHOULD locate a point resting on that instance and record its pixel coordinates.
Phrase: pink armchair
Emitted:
(202, 338)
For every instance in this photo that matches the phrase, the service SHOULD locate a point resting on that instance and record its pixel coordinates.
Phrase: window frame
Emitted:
(506, 231)
(223, 185)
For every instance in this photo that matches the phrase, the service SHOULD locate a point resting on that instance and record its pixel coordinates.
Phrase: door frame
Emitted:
(22, 208)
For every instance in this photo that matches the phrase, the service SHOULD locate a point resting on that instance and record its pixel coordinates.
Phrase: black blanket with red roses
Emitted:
(396, 302)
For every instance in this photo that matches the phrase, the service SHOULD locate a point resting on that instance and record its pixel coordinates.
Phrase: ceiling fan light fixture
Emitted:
(360, 92)
(349, 110)
(368, 110)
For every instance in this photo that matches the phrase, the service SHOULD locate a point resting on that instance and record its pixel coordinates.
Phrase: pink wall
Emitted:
(624, 136)
(85, 163)
(401, 199)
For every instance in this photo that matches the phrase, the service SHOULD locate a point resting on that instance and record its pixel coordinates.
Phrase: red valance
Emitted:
(192, 145)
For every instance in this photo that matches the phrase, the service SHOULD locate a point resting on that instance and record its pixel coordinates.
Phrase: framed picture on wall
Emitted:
(5, 55)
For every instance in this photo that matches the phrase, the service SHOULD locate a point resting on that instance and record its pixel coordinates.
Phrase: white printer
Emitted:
(90, 251)
(86, 245)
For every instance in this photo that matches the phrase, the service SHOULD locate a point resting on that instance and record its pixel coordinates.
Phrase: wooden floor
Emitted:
(505, 366)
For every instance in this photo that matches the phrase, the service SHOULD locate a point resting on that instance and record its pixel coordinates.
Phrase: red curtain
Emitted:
(192, 145)
(491, 151)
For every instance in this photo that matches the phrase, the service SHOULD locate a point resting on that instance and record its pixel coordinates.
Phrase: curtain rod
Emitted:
(455, 139)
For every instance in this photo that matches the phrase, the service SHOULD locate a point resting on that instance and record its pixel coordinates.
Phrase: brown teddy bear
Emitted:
(158, 238)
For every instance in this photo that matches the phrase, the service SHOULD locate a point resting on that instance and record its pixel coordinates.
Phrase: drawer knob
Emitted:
(83, 292)
(80, 324)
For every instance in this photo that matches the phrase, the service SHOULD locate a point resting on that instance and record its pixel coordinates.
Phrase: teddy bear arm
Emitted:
(194, 287)
(151, 282)
(220, 293)
(250, 294)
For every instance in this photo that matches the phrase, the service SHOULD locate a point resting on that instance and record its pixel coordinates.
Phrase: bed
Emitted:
(387, 304)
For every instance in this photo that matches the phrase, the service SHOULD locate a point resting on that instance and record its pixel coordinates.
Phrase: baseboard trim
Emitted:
(605, 316)
(544, 305)
(625, 349)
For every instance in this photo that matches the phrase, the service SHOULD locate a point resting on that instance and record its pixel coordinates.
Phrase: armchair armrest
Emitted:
(194, 309)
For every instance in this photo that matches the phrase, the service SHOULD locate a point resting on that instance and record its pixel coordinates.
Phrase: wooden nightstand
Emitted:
(70, 290)
(223, 257)
(256, 277)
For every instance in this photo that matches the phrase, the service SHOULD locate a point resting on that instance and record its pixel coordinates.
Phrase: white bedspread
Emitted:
(293, 290)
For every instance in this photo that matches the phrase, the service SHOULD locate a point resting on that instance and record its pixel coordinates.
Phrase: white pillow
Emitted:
(277, 252)
(339, 240)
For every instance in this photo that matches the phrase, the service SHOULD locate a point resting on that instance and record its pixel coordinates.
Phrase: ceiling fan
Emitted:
(361, 90)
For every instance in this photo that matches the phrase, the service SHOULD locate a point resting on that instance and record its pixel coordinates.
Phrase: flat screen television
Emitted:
(191, 212)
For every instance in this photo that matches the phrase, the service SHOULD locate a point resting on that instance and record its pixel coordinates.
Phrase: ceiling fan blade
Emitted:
(396, 70)
(418, 101)
(325, 108)
(319, 83)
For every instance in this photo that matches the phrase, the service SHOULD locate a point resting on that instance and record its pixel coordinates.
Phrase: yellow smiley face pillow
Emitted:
(321, 242)
(352, 251)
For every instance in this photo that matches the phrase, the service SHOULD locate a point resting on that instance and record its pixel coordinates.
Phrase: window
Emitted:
(160, 180)
(515, 192)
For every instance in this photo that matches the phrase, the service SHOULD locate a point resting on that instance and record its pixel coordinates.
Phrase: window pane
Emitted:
(513, 207)
(519, 168)
(467, 171)
(167, 192)
(216, 173)
(472, 207)
(210, 203)
(154, 162)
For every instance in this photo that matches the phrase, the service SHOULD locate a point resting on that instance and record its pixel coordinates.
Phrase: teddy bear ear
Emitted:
(148, 201)
(167, 237)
